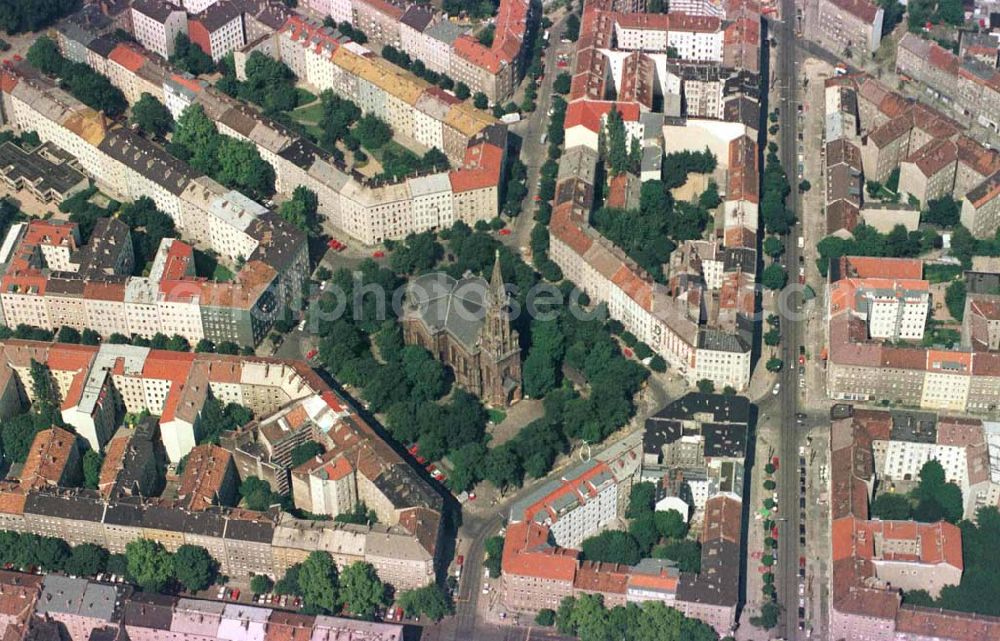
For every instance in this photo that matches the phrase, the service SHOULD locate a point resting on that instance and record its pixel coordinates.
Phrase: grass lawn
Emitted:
(304, 97)
(222, 274)
(310, 114)
(496, 416)
(941, 336)
(207, 266)
(393, 145)
(942, 273)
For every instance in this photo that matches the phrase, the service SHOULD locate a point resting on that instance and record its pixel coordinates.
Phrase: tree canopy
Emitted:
(429, 601)
(193, 567)
(151, 116)
(587, 617)
(361, 590)
(319, 583)
(149, 564)
(18, 16)
(191, 58)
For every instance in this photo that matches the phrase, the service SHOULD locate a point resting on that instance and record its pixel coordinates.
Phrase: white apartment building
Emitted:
(156, 24)
(899, 460)
(197, 6)
(896, 314)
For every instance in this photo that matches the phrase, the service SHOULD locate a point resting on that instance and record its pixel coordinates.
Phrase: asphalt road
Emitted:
(533, 152)
(787, 84)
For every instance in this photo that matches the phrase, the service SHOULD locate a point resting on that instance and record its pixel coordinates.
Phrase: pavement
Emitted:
(534, 153)
(785, 97)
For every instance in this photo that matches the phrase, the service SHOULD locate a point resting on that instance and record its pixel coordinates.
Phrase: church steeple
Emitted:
(498, 294)
(500, 362)
(497, 337)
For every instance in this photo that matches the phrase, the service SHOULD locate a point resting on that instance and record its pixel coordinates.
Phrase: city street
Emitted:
(787, 83)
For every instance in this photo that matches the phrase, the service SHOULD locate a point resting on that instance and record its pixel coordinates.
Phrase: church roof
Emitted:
(442, 303)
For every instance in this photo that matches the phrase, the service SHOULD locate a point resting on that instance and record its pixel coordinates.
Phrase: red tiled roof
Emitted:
(589, 113)
(526, 552)
(127, 57)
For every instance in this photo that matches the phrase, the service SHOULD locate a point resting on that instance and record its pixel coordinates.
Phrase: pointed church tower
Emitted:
(501, 353)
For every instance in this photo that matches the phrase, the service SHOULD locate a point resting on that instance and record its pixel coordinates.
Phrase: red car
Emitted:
(561, 64)
(378, 254)
(472, 496)
(312, 354)
(460, 560)
(421, 459)
(414, 449)
(505, 232)
(336, 245)
(627, 352)
(431, 467)
(235, 596)
(802, 360)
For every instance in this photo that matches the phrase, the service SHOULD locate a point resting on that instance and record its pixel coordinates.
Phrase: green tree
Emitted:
(261, 584)
(480, 101)
(562, 83)
(774, 277)
(804, 185)
(773, 246)
(318, 581)
(304, 452)
(44, 55)
(466, 464)
(92, 462)
(241, 167)
(86, 559)
(257, 494)
(300, 209)
(670, 524)
(190, 57)
(772, 337)
(149, 564)
(372, 132)
(545, 617)
(494, 555)
(685, 552)
(615, 142)
(151, 116)
(572, 29)
(361, 590)
(502, 467)
(641, 499)
(193, 567)
(774, 364)
(68, 334)
(945, 212)
(891, 507)
(705, 386)
(768, 617)
(462, 91)
(954, 299)
(18, 16)
(429, 602)
(613, 547)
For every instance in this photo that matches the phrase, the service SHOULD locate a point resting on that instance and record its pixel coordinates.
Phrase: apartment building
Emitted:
(929, 172)
(44, 606)
(863, 367)
(537, 573)
(873, 559)
(47, 172)
(981, 322)
(981, 208)
(132, 460)
(209, 479)
(367, 211)
(968, 85)
(218, 29)
(174, 386)
(845, 25)
(53, 460)
(156, 25)
(892, 308)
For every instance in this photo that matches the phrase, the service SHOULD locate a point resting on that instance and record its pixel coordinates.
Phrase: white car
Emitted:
(777, 388)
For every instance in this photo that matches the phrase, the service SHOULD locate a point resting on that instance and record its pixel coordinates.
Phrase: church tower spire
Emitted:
(501, 362)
